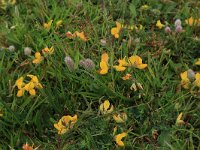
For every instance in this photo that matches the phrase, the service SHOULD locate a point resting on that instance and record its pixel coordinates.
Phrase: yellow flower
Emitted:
(48, 25)
(144, 7)
(126, 77)
(118, 139)
(47, 50)
(136, 62)
(122, 64)
(65, 123)
(178, 120)
(184, 80)
(81, 35)
(192, 22)
(35, 81)
(20, 85)
(59, 23)
(104, 64)
(115, 31)
(198, 62)
(30, 88)
(159, 24)
(38, 58)
(197, 80)
(120, 118)
(106, 107)
(70, 35)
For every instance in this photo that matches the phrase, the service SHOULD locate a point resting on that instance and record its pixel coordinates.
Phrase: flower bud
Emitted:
(27, 51)
(11, 48)
(69, 62)
(179, 28)
(177, 22)
(167, 29)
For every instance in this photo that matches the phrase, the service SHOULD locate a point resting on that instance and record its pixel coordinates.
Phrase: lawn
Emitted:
(100, 74)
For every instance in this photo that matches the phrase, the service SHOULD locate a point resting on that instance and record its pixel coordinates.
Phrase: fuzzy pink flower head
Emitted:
(167, 29)
(69, 62)
(179, 28)
(177, 22)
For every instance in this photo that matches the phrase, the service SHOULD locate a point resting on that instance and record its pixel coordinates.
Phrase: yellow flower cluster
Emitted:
(65, 123)
(48, 25)
(29, 87)
(80, 35)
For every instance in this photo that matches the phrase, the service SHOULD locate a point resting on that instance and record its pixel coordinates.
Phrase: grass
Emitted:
(152, 112)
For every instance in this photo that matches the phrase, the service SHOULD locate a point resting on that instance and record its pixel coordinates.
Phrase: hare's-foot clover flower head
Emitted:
(118, 139)
(106, 107)
(11, 48)
(47, 50)
(38, 58)
(27, 51)
(115, 31)
(168, 30)
(65, 123)
(179, 29)
(136, 62)
(177, 22)
(70, 63)
(120, 118)
(104, 64)
(159, 24)
(87, 64)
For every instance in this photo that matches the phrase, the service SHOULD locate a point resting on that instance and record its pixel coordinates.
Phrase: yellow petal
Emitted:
(29, 86)
(119, 68)
(58, 23)
(104, 68)
(119, 26)
(197, 80)
(114, 31)
(32, 92)
(159, 24)
(106, 104)
(142, 66)
(126, 77)
(104, 57)
(198, 62)
(20, 93)
(119, 137)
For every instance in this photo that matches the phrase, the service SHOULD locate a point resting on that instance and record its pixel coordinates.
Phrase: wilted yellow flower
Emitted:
(104, 64)
(122, 65)
(27, 147)
(136, 62)
(197, 80)
(119, 137)
(120, 118)
(81, 35)
(47, 26)
(179, 121)
(126, 77)
(65, 123)
(159, 24)
(47, 50)
(106, 107)
(59, 23)
(192, 22)
(38, 58)
(198, 62)
(115, 31)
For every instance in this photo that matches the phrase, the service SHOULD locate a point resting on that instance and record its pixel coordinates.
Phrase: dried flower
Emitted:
(11, 48)
(47, 50)
(127, 76)
(191, 75)
(47, 26)
(59, 23)
(177, 22)
(103, 42)
(179, 121)
(120, 118)
(27, 51)
(69, 62)
(27, 147)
